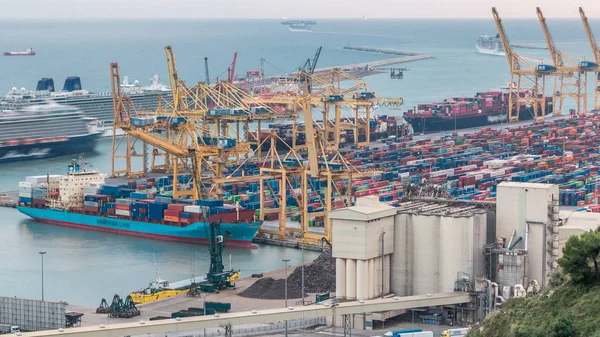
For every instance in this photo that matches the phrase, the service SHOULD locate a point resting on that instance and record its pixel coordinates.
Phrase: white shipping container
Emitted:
(122, 212)
(28, 184)
(194, 209)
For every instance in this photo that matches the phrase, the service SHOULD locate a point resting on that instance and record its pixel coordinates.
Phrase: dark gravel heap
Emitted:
(319, 277)
(271, 289)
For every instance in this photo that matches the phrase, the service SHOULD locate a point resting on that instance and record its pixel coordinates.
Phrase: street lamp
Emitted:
(204, 306)
(302, 246)
(286, 266)
(42, 254)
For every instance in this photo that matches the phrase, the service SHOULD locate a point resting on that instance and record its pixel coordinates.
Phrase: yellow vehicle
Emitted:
(455, 332)
(159, 289)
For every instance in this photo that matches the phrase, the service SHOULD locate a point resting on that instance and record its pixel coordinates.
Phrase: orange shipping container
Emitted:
(171, 218)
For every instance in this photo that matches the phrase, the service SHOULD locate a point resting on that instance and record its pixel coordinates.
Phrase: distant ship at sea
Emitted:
(490, 45)
(299, 25)
(27, 52)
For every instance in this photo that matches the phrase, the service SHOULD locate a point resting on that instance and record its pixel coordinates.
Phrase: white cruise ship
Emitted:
(490, 45)
(95, 106)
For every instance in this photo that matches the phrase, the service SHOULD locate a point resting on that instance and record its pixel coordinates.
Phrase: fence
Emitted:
(262, 330)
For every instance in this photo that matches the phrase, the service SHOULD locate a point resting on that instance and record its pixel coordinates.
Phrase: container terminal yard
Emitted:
(434, 230)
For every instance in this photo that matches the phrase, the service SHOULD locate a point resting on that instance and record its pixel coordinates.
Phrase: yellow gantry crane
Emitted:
(595, 65)
(570, 79)
(527, 81)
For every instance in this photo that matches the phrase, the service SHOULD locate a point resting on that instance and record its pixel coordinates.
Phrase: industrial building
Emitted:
(426, 246)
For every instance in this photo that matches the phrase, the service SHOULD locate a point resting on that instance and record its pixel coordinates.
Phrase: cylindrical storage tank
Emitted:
(454, 250)
(386, 274)
(401, 261)
(340, 278)
(425, 236)
(376, 277)
(371, 278)
(350, 279)
(362, 279)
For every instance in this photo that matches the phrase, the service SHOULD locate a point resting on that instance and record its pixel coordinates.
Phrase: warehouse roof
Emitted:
(367, 208)
(442, 207)
(525, 185)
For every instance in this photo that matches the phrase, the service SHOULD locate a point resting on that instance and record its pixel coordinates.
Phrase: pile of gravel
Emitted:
(271, 289)
(319, 277)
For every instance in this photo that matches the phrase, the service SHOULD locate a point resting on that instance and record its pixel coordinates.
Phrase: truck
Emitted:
(455, 332)
(409, 333)
(7, 328)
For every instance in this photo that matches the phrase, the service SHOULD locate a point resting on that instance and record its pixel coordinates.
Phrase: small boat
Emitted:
(27, 52)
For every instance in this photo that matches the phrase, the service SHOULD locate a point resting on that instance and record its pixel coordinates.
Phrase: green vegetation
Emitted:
(568, 307)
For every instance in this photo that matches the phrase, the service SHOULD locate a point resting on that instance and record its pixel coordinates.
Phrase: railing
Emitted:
(262, 330)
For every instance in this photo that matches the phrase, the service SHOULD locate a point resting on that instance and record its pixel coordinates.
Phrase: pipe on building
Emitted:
(499, 300)
(489, 292)
(340, 278)
(515, 243)
(519, 291)
(351, 277)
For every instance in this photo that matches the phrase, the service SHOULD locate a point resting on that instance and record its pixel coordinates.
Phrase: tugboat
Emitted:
(27, 52)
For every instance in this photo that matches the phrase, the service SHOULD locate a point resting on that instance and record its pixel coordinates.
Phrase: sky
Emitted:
(276, 9)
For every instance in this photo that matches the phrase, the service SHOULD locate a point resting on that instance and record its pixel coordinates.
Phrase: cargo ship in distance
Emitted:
(43, 131)
(81, 199)
(485, 108)
(27, 52)
(299, 25)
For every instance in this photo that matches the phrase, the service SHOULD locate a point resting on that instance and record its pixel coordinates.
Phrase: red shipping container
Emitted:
(123, 207)
(90, 209)
(171, 213)
(176, 207)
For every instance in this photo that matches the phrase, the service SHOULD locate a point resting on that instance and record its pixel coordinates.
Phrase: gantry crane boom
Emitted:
(554, 54)
(570, 80)
(596, 52)
(513, 62)
(173, 78)
(528, 82)
(233, 64)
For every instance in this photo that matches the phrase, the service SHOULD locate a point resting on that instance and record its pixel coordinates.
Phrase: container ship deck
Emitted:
(485, 108)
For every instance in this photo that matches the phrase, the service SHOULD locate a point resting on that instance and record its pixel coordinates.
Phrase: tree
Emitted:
(563, 328)
(527, 331)
(581, 258)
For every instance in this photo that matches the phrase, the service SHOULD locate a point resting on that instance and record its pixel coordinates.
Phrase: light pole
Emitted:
(204, 306)
(303, 273)
(42, 254)
(286, 265)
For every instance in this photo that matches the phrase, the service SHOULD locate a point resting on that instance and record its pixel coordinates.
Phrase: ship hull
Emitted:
(236, 234)
(433, 124)
(74, 145)
(487, 51)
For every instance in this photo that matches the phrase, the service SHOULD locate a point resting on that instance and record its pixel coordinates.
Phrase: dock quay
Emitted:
(371, 66)
(381, 51)
(169, 305)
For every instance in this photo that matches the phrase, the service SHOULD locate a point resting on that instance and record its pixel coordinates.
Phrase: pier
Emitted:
(381, 51)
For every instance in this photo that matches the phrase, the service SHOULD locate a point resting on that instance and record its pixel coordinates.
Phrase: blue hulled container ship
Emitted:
(81, 199)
